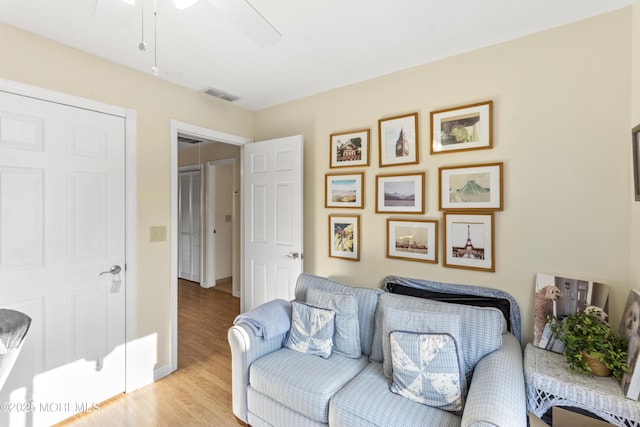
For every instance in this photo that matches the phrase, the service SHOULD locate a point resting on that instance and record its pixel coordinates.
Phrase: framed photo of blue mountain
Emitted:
(349, 149)
(344, 190)
(401, 193)
(468, 240)
(469, 127)
(471, 187)
(412, 240)
(398, 140)
(344, 236)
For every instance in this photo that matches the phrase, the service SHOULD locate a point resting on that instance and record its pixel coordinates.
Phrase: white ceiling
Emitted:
(325, 43)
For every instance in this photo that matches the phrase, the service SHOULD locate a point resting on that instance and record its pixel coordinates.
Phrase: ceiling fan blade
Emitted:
(117, 13)
(249, 20)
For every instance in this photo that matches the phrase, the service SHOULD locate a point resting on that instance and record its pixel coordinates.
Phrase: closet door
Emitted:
(190, 224)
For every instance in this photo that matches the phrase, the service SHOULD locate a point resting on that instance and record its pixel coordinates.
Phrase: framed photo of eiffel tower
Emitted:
(398, 140)
(468, 238)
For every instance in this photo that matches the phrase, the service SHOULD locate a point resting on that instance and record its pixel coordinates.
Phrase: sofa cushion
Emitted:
(303, 382)
(311, 329)
(426, 369)
(367, 299)
(480, 327)
(346, 335)
(367, 401)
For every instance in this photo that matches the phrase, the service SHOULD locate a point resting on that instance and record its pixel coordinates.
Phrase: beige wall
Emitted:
(561, 127)
(634, 231)
(562, 109)
(32, 60)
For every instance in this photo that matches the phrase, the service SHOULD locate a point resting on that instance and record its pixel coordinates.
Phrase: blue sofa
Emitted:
(276, 384)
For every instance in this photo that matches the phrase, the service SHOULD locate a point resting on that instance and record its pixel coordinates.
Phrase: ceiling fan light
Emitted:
(183, 4)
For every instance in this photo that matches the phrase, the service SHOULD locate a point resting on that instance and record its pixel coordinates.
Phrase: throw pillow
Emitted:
(346, 336)
(311, 330)
(419, 322)
(426, 369)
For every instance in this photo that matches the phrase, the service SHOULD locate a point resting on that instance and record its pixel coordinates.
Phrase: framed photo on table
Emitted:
(349, 149)
(401, 193)
(344, 236)
(468, 127)
(413, 240)
(468, 240)
(635, 140)
(344, 190)
(471, 187)
(398, 140)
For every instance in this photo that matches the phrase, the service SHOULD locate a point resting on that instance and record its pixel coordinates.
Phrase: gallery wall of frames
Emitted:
(469, 195)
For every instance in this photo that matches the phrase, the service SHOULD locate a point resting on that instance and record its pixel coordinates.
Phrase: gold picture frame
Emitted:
(348, 149)
(469, 127)
(412, 239)
(398, 140)
(469, 240)
(344, 236)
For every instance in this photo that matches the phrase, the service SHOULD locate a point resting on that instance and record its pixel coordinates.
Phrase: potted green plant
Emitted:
(586, 337)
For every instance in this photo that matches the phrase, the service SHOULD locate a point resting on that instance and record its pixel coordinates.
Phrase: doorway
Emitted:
(207, 145)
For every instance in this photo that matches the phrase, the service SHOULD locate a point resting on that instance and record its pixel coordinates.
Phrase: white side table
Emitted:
(549, 383)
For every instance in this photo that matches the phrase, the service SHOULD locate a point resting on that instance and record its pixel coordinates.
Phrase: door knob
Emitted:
(115, 269)
(293, 255)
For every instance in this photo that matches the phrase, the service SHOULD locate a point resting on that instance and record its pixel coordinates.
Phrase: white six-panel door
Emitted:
(62, 217)
(273, 209)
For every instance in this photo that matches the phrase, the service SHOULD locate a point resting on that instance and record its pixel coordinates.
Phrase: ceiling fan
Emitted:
(241, 12)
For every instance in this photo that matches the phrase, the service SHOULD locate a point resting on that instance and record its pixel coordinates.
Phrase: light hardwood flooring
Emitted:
(199, 392)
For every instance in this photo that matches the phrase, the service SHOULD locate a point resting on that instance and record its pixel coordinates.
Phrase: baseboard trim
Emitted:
(161, 372)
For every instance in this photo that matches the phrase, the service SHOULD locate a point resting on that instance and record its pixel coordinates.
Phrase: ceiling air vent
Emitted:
(220, 94)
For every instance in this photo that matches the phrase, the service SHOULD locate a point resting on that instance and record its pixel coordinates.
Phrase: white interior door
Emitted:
(62, 216)
(190, 224)
(273, 209)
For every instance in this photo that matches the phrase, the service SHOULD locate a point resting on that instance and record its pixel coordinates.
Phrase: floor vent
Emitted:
(220, 94)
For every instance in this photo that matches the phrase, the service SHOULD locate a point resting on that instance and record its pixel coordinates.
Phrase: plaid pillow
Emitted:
(426, 369)
(311, 330)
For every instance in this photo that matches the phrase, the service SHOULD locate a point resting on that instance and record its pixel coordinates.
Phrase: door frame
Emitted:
(133, 380)
(209, 276)
(182, 128)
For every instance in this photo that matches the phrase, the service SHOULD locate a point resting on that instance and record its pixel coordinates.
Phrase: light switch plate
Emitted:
(158, 233)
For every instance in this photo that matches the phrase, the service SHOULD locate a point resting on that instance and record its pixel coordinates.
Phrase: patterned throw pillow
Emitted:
(426, 369)
(311, 330)
(346, 338)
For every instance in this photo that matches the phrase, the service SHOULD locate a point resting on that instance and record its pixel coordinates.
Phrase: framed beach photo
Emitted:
(468, 241)
(398, 140)
(344, 236)
(471, 187)
(344, 190)
(349, 148)
(401, 193)
(468, 127)
(413, 240)
(635, 140)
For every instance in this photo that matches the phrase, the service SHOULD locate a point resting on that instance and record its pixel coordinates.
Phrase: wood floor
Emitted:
(199, 392)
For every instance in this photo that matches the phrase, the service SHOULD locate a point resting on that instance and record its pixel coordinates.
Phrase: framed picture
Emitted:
(472, 187)
(398, 137)
(462, 128)
(344, 236)
(402, 193)
(414, 240)
(349, 149)
(468, 240)
(344, 190)
(635, 134)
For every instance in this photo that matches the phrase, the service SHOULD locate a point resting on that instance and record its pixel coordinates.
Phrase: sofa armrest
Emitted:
(245, 348)
(497, 392)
